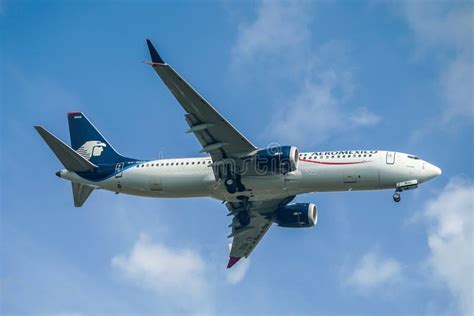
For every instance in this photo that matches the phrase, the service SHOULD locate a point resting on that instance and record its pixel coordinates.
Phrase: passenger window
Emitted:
(192, 163)
(187, 163)
(167, 163)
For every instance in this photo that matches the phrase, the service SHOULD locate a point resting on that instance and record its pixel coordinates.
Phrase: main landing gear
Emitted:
(234, 184)
(244, 214)
(244, 218)
(397, 197)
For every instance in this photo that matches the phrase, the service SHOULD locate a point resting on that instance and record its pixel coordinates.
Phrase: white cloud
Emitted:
(373, 271)
(450, 239)
(238, 272)
(457, 82)
(321, 107)
(446, 31)
(279, 41)
(177, 275)
(363, 117)
(278, 29)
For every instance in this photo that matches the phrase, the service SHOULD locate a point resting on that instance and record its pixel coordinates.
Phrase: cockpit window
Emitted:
(413, 157)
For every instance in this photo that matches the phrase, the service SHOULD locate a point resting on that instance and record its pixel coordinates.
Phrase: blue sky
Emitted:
(318, 75)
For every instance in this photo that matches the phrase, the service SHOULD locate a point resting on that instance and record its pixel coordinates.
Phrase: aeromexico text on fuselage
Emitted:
(343, 152)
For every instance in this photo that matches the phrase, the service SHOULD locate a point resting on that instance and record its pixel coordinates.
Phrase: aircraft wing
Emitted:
(217, 136)
(245, 239)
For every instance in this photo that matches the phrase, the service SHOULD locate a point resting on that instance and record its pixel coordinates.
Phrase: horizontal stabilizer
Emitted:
(69, 158)
(81, 192)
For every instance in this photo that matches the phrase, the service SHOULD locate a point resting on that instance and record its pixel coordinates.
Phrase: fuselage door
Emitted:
(390, 158)
(350, 176)
(119, 170)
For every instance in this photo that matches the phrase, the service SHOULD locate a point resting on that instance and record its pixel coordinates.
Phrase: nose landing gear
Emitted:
(404, 186)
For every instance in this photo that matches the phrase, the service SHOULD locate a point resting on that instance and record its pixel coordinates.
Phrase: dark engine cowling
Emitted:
(278, 159)
(297, 215)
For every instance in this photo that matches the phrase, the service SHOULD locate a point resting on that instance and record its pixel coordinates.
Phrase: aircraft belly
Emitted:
(324, 178)
(187, 184)
(169, 183)
(265, 187)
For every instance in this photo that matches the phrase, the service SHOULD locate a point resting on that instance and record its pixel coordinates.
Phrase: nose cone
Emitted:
(433, 171)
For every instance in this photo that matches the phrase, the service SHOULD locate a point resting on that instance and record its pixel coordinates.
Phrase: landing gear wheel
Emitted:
(396, 197)
(230, 185)
(244, 218)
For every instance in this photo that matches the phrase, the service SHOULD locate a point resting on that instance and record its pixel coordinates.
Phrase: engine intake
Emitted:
(297, 215)
(278, 159)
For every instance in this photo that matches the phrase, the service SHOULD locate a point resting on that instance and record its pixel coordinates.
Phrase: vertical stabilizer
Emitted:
(89, 142)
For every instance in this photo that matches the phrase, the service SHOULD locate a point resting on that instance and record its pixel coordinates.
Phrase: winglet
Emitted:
(232, 261)
(155, 57)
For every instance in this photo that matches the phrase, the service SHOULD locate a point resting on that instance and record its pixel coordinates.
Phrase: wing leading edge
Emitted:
(217, 136)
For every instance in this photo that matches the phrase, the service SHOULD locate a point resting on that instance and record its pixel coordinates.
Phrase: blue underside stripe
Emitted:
(87, 175)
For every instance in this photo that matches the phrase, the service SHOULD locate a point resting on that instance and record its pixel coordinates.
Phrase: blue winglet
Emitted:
(155, 57)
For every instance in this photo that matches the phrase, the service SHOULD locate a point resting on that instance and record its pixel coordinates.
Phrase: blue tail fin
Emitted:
(89, 142)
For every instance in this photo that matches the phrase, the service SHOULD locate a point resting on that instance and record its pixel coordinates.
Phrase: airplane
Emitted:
(257, 185)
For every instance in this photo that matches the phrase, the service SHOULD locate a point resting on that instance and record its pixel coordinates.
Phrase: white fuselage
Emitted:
(316, 172)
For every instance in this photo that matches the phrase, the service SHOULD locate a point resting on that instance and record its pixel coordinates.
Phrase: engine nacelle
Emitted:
(278, 159)
(297, 215)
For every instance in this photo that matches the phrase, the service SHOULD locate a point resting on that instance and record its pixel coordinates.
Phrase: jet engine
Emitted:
(297, 215)
(278, 159)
